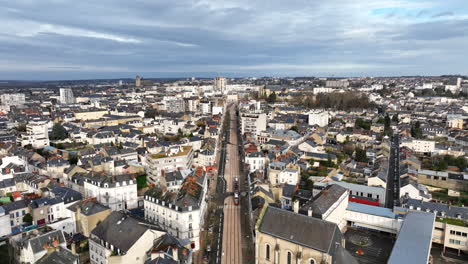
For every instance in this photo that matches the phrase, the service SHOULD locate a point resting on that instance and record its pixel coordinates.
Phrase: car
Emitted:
(208, 248)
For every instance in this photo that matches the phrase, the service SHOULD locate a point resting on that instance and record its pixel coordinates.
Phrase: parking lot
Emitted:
(369, 246)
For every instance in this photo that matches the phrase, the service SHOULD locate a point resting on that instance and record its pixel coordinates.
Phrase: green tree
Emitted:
(58, 132)
(151, 113)
(294, 128)
(272, 97)
(395, 118)
(27, 218)
(416, 131)
(361, 155)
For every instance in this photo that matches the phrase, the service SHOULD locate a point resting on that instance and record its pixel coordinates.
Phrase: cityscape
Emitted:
(232, 132)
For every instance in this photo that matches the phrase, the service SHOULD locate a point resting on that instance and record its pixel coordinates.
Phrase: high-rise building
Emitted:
(120, 83)
(459, 82)
(138, 81)
(66, 96)
(220, 84)
(37, 134)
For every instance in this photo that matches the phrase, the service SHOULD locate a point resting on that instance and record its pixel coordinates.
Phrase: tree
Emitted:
(361, 123)
(27, 218)
(73, 159)
(395, 118)
(294, 128)
(361, 155)
(151, 113)
(416, 131)
(272, 97)
(58, 132)
(387, 126)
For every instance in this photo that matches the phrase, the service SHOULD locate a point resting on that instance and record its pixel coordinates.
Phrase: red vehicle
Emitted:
(236, 198)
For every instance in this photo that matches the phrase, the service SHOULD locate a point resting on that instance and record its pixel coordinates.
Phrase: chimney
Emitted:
(296, 206)
(163, 173)
(175, 253)
(309, 212)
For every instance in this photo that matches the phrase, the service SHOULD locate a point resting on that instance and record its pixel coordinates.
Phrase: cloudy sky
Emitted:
(65, 39)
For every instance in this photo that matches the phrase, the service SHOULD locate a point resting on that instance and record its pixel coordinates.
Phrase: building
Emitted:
(253, 123)
(451, 223)
(33, 245)
(256, 161)
(330, 205)
(286, 237)
(16, 210)
(37, 134)
(337, 83)
(444, 179)
(121, 239)
(66, 96)
(137, 81)
(318, 118)
(87, 214)
(413, 244)
(220, 84)
(419, 146)
(14, 99)
(172, 159)
(180, 214)
(118, 192)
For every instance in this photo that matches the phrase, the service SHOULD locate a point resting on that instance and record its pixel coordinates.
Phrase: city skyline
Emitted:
(109, 39)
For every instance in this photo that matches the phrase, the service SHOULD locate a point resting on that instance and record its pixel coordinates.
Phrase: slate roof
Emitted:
(120, 230)
(288, 190)
(324, 200)
(88, 207)
(15, 206)
(300, 229)
(59, 256)
(37, 243)
(68, 195)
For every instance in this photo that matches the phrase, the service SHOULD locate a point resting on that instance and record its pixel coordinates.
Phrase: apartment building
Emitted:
(172, 159)
(180, 214)
(121, 239)
(118, 192)
(253, 123)
(37, 134)
(318, 118)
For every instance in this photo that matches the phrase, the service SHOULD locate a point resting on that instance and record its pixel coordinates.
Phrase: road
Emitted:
(231, 239)
(393, 177)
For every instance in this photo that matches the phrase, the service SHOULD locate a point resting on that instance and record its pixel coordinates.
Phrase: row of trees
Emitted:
(339, 101)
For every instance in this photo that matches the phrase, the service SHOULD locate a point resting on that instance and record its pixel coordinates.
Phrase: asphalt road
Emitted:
(393, 177)
(231, 239)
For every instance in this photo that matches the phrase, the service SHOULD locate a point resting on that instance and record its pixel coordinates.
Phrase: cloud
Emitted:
(443, 14)
(111, 37)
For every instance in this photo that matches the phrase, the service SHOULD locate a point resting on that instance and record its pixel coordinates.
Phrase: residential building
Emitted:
(253, 123)
(12, 99)
(121, 239)
(256, 161)
(16, 210)
(66, 96)
(318, 118)
(118, 192)
(37, 134)
(181, 214)
(87, 214)
(172, 159)
(220, 84)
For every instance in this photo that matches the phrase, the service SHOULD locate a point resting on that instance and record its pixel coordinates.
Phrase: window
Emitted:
(428, 177)
(369, 195)
(289, 258)
(454, 241)
(267, 251)
(312, 261)
(24, 212)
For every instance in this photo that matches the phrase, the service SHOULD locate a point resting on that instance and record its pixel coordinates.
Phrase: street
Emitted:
(231, 244)
(393, 177)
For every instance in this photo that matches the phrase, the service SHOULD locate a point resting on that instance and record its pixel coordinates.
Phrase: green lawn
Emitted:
(141, 181)
(451, 221)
